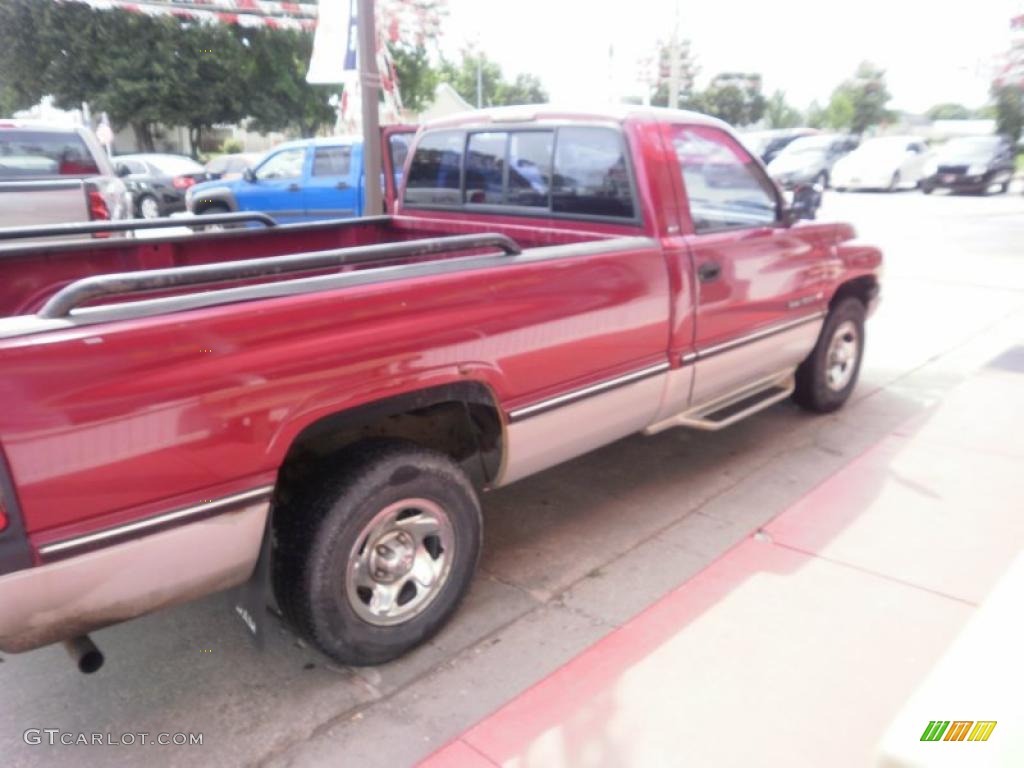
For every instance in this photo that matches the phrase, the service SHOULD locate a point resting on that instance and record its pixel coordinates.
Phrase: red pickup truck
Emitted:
(317, 408)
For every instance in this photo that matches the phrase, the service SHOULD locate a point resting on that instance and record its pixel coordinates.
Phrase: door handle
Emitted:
(294, 188)
(709, 271)
(341, 185)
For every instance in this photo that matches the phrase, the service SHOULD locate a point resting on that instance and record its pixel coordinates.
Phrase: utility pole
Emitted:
(479, 81)
(674, 63)
(369, 80)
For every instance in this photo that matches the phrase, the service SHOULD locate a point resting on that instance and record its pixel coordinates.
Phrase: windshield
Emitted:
(977, 148)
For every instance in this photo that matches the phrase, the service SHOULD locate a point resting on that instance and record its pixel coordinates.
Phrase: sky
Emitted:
(934, 51)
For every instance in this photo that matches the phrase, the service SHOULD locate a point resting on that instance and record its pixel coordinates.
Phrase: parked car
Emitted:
(307, 180)
(768, 144)
(887, 162)
(339, 395)
(52, 174)
(975, 164)
(230, 167)
(158, 182)
(809, 160)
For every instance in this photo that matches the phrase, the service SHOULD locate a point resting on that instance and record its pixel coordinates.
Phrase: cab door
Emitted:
(760, 285)
(332, 190)
(276, 186)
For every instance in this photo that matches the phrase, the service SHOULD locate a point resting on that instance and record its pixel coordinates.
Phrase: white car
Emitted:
(888, 162)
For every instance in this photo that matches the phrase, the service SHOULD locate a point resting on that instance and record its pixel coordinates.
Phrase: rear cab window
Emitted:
(579, 172)
(28, 154)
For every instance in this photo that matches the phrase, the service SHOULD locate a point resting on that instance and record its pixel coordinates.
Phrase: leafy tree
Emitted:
(948, 111)
(145, 70)
(779, 114)
(525, 89)
(859, 102)
(1009, 103)
(417, 77)
(278, 98)
(495, 91)
(734, 97)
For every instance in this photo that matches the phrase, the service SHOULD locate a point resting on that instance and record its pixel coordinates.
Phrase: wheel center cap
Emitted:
(392, 557)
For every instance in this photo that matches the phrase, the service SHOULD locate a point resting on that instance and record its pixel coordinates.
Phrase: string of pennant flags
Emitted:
(244, 13)
(398, 19)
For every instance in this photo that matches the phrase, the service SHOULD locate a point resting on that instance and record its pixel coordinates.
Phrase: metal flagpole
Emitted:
(369, 80)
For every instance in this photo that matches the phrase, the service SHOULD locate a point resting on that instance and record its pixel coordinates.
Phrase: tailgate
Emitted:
(29, 203)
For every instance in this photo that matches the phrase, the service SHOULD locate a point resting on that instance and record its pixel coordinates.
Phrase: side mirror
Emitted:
(806, 201)
(249, 175)
(123, 170)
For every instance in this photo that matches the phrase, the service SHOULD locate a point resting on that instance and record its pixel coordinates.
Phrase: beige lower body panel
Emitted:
(563, 433)
(729, 371)
(54, 602)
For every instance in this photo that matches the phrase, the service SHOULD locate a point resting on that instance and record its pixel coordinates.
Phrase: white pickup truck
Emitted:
(56, 174)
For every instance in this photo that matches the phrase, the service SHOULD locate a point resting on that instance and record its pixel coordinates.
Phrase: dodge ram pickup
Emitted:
(312, 412)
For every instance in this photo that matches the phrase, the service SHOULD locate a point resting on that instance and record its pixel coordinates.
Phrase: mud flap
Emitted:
(251, 597)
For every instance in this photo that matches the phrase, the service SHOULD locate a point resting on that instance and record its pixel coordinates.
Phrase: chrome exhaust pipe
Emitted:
(83, 651)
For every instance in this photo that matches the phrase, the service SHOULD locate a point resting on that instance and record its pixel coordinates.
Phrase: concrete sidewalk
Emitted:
(801, 645)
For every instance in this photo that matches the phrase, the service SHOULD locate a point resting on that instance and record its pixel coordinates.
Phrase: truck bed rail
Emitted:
(131, 225)
(88, 289)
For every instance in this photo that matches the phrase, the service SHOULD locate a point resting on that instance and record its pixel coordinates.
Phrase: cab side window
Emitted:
(725, 188)
(332, 161)
(591, 177)
(435, 175)
(286, 164)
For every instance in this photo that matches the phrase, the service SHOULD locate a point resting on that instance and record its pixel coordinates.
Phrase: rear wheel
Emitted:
(149, 208)
(825, 380)
(374, 560)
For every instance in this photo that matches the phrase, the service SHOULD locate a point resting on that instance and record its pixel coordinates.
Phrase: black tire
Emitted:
(927, 189)
(822, 180)
(813, 391)
(316, 535)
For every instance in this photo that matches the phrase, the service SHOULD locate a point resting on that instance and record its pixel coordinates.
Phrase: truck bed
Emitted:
(31, 274)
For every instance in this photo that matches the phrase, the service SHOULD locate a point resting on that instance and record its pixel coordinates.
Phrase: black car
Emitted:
(974, 164)
(158, 182)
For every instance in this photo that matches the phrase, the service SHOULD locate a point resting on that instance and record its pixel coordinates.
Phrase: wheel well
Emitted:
(460, 420)
(218, 204)
(862, 288)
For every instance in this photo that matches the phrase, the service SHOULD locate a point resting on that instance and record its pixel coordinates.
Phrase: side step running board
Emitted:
(726, 411)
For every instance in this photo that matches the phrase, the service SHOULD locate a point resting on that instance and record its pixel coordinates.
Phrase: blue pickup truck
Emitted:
(306, 180)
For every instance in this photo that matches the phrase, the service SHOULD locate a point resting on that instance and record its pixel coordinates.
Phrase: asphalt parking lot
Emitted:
(569, 554)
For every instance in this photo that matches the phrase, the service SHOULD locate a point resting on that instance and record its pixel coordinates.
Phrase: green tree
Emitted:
(779, 114)
(859, 102)
(474, 66)
(417, 77)
(734, 97)
(948, 111)
(1009, 103)
(278, 98)
(525, 89)
(145, 70)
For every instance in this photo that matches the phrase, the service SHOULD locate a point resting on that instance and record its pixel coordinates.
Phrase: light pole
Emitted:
(369, 80)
